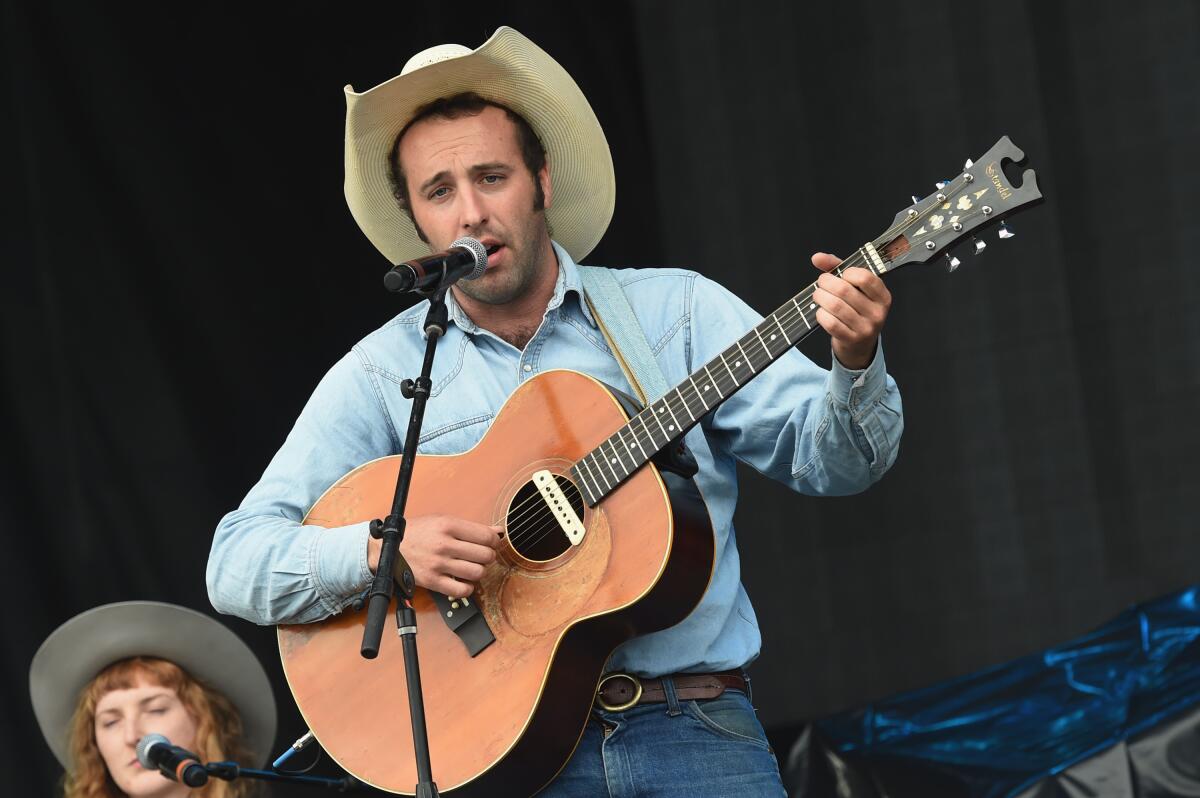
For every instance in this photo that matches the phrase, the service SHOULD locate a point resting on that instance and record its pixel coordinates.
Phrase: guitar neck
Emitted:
(601, 470)
(980, 196)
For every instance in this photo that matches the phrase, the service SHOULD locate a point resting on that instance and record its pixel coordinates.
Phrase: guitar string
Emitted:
(785, 317)
(523, 532)
(519, 524)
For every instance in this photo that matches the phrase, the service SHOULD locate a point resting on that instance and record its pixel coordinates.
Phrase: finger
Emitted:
(462, 569)
(450, 586)
(466, 550)
(836, 327)
(830, 286)
(825, 261)
(854, 318)
(869, 283)
(472, 532)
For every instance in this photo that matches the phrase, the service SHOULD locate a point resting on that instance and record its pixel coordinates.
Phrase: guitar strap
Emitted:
(611, 309)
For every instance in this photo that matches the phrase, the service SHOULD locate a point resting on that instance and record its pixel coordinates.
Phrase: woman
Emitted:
(111, 675)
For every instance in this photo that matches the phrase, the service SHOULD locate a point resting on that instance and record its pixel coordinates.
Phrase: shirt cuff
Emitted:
(857, 388)
(339, 565)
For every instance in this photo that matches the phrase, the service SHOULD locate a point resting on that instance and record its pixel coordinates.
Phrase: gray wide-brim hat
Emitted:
(88, 643)
(508, 69)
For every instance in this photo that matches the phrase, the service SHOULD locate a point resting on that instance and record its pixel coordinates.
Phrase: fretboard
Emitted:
(600, 471)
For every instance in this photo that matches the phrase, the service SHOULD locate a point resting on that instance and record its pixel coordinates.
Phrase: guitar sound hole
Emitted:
(533, 529)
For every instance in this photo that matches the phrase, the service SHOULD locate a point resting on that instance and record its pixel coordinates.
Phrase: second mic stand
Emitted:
(391, 530)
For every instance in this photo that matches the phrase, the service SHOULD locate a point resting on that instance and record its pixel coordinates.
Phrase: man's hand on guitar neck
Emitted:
(446, 554)
(852, 310)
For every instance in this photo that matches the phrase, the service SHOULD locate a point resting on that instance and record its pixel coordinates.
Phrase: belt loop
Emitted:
(668, 685)
(749, 689)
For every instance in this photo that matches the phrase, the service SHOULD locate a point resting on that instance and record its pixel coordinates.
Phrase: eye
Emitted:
(492, 180)
(439, 192)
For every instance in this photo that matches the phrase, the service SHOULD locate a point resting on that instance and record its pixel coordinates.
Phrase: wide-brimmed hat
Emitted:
(83, 646)
(507, 69)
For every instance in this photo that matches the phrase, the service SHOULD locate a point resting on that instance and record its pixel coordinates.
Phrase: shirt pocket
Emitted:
(453, 435)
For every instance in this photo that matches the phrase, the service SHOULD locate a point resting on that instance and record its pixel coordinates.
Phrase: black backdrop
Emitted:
(179, 269)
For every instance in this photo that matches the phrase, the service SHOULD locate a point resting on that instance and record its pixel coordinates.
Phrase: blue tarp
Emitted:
(998, 731)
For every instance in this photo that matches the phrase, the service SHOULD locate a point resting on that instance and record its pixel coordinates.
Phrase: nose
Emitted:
(472, 210)
(133, 731)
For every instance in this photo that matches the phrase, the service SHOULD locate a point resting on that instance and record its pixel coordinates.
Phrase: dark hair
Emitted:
(459, 105)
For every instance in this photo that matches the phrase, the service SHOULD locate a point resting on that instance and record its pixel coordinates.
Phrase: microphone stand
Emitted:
(391, 530)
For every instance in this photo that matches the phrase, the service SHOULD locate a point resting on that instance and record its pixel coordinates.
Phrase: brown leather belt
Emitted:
(620, 691)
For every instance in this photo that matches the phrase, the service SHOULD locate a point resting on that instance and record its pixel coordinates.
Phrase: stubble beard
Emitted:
(495, 288)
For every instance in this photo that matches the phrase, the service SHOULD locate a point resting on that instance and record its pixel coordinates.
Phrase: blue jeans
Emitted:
(680, 749)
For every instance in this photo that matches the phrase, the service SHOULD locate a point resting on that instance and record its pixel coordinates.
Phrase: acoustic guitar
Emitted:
(606, 539)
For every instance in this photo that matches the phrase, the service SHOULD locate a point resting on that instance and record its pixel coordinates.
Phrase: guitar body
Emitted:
(505, 721)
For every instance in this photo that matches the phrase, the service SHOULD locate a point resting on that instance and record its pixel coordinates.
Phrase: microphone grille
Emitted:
(478, 250)
(145, 744)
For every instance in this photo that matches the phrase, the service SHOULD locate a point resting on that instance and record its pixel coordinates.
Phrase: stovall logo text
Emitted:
(995, 173)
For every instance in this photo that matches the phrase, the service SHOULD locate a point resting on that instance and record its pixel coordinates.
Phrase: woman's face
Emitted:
(125, 716)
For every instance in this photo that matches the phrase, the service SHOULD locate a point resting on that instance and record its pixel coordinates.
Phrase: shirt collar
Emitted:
(568, 280)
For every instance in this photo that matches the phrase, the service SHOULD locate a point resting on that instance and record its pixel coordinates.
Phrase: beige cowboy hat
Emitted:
(82, 647)
(508, 69)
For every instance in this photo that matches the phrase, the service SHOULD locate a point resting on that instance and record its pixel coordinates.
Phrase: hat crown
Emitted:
(434, 55)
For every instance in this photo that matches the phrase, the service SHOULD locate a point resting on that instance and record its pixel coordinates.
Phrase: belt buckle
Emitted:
(637, 693)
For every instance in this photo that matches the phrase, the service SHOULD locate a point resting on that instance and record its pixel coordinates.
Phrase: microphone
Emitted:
(465, 260)
(156, 752)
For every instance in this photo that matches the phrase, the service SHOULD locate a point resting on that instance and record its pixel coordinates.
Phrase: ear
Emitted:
(543, 177)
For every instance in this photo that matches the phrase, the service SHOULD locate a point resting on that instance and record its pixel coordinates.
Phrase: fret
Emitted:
(588, 469)
(633, 435)
(748, 363)
(582, 479)
(713, 382)
(634, 460)
(654, 415)
(616, 456)
(762, 343)
(725, 363)
(667, 405)
(697, 390)
(800, 310)
(642, 418)
(600, 455)
(775, 316)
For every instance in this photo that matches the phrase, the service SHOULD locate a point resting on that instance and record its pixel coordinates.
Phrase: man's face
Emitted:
(466, 177)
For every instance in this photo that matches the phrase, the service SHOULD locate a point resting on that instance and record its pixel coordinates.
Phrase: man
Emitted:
(499, 144)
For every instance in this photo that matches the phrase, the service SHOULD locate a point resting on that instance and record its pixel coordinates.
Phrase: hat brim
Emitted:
(508, 69)
(83, 646)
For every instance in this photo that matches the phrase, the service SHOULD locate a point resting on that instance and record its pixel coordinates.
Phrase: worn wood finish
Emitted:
(505, 721)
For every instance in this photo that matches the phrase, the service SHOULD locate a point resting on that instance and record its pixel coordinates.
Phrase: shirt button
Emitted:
(527, 367)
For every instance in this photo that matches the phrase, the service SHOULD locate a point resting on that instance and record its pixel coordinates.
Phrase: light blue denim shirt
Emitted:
(820, 432)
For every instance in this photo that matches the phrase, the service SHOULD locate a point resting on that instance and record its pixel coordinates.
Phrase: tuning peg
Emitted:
(1005, 232)
(952, 262)
(916, 199)
(941, 184)
(968, 164)
(980, 246)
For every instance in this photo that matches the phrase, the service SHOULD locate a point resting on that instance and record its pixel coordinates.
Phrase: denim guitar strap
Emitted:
(613, 313)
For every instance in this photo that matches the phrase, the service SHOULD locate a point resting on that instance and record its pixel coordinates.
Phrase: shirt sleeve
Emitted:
(265, 565)
(827, 432)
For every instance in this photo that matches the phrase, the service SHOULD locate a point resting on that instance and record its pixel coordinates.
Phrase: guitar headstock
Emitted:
(980, 196)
